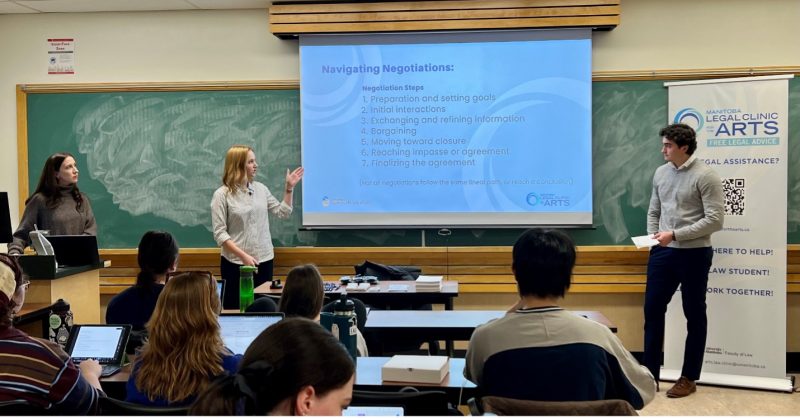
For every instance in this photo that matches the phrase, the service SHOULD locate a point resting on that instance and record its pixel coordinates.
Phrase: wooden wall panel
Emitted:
(599, 269)
(291, 20)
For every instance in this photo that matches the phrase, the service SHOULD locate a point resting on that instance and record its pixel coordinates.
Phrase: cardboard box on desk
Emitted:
(416, 369)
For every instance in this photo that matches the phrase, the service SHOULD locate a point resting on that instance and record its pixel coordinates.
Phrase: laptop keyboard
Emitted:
(109, 370)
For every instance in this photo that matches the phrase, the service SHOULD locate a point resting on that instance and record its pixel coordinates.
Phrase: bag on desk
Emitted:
(384, 272)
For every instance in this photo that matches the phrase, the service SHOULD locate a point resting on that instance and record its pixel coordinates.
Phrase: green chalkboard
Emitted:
(151, 160)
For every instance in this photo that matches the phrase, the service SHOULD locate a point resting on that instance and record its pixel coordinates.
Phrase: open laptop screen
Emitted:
(220, 288)
(104, 343)
(373, 411)
(239, 330)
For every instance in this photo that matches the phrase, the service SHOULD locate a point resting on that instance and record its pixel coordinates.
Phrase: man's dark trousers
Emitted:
(666, 269)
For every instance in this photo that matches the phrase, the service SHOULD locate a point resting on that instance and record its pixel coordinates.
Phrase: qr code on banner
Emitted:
(734, 196)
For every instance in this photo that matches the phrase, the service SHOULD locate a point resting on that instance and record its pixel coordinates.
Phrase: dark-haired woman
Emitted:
(294, 367)
(56, 205)
(158, 255)
(303, 295)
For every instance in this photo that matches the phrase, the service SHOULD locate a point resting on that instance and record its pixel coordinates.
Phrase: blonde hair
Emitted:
(184, 348)
(235, 173)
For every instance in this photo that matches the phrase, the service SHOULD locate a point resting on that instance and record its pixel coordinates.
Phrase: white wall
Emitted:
(696, 34)
(237, 45)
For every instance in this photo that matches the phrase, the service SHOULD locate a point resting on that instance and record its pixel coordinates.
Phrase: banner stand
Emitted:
(742, 127)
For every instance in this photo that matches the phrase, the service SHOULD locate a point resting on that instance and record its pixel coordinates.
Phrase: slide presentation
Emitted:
(447, 129)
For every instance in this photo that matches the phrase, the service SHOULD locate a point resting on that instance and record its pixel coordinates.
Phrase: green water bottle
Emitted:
(246, 286)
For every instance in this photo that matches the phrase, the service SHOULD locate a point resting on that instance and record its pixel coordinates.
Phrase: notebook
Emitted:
(104, 343)
(74, 250)
(373, 411)
(240, 329)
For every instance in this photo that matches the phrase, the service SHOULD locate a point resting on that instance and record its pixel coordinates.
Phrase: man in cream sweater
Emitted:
(687, 205)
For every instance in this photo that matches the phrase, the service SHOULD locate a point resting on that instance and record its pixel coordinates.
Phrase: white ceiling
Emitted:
(83, 6)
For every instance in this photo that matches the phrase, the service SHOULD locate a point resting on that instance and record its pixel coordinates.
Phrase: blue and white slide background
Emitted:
(436, 130)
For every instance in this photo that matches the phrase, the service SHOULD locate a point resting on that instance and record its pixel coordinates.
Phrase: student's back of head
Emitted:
(294, 367)
(158, 254)
(303, 293)
(542, 261)
(184, 348)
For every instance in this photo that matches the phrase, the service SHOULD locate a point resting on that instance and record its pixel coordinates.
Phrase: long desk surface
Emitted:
(368, 377)
(380, 293)
(443, 325)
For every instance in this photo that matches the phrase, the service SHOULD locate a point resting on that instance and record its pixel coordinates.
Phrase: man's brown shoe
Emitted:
(683, 387)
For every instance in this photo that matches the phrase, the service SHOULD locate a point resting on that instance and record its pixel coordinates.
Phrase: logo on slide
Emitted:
(325, 201)
(533, 199)
(691, 117)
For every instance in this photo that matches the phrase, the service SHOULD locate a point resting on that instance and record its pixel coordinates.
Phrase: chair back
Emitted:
(414, 403)
(507, 406)
(111, 406)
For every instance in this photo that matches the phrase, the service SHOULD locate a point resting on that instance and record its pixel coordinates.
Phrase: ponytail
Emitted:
(236, 394)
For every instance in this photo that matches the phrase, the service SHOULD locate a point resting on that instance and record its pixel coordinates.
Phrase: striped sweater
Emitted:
(39, 373)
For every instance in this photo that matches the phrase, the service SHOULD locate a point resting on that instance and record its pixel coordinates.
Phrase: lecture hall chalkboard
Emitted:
(152, 160)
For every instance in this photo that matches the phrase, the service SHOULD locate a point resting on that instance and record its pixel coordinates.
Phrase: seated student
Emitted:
(294, 367)
(539, 351)
(302, 296)
(158, 255)
(38, 372)
(184, 349)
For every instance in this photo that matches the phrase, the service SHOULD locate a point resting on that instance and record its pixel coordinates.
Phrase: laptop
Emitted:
(75, 250)
(220, 289)
(104, 343)
(373, 411)
(240, 329)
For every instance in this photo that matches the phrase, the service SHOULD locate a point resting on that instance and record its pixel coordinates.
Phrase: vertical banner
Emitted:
(742, 133)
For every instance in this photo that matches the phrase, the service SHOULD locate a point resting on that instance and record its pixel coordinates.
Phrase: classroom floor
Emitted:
(717, 400)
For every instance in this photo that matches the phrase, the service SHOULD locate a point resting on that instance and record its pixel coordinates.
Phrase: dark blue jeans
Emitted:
(666, 269)
(230, 273)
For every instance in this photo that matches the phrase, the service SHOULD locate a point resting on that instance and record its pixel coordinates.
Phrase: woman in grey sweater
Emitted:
(56, 205)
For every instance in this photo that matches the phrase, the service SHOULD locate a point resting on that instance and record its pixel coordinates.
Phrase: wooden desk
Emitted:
(79, 286)
(443, 325)
(368, 377)
(457, 387)
(383, 295)
(33, 319)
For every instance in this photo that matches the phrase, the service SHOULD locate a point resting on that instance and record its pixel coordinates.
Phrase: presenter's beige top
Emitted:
(243, 217)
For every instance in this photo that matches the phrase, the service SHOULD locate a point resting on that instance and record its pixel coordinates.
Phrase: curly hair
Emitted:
(184, 348)
(682, 135)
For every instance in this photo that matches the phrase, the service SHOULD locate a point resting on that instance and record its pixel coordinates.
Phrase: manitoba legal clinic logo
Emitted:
(547, 199)
(689, 116)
